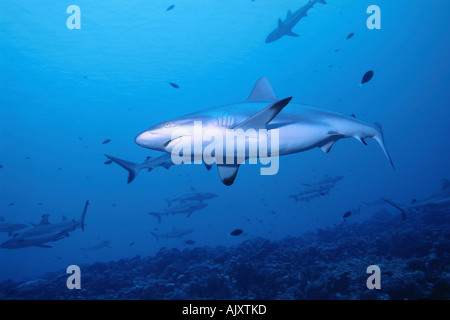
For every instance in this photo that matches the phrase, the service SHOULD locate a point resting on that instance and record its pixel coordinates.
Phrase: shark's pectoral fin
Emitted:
(280, 24)
(327, 146)
(262, 118)
(227, 173)
(43, 246)
(292, 34)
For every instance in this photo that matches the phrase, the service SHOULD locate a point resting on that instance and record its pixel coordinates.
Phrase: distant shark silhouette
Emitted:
(284, 28)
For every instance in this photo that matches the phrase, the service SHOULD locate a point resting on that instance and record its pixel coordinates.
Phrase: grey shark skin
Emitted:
(185, 208)
(437, 201)
(174, 234)
(284, 28)
(43, 233)
(10, 227)
(149, 164)
(193, 196)
(300, 127)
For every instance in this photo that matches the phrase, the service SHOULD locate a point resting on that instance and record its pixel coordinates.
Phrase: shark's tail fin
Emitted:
(131, 167)
(402, 208)
(157, 215)
(84, 215)
(155, 235)
(380, 139)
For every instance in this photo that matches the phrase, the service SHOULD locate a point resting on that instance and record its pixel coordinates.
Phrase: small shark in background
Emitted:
(435, 202)
(193, 196)
(44, 232)
(173, 234)
(284, 28)
(98, 245)
(10, 227)
(184, 208)
(150, 163)
(299, 128)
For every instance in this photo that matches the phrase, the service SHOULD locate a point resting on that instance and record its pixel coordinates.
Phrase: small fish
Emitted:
(170, 8)
(367, 77)
(236, 232)
(27, 158)
(108, 162)
(350, 35)
(40, 203)
(347, 214)
(11, 204)
(1, 167)
(336, 50)
(106, 141)
(174, 85)
(131, 244)
(80, 138)
(59, 169)
(189, 242)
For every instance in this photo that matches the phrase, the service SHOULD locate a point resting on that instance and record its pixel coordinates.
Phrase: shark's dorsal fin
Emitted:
(262, 118)
(262, 91)
(227, 173)
(289, 13)
(445, 184)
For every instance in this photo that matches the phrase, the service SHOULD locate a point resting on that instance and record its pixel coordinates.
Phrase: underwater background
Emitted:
(63, 93)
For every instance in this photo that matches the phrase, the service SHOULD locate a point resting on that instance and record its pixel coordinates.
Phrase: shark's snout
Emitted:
(144, 138)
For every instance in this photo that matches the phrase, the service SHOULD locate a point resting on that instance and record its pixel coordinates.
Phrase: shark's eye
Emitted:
(168, 124)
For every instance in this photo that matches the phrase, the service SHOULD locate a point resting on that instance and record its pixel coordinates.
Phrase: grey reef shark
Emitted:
(284, 28)
(297, 128)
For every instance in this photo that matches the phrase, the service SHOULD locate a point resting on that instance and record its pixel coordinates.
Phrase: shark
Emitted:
(149, 164)
(309, 193)
(173, 234)
(184, 208)
(98, 245)
(45, 232)
(193, 196)
(10, 227)
(284, 28)
(435, 202)
(298, 128)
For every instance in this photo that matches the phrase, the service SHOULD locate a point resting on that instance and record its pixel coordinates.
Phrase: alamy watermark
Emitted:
(226, 146)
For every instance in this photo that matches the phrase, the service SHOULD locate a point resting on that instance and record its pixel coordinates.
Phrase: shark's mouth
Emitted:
(171, 140)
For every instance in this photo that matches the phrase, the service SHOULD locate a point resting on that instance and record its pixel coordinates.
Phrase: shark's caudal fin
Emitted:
(155, 235)
(157, 215)
(84, 215)
(379, 138)
(131, 167)
(400, 207)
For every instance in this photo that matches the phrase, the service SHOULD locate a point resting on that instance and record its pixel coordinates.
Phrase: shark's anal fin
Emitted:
(227, 173)
(262, 118)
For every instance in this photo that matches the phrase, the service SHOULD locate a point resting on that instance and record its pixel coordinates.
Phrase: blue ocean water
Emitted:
(63, 92)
